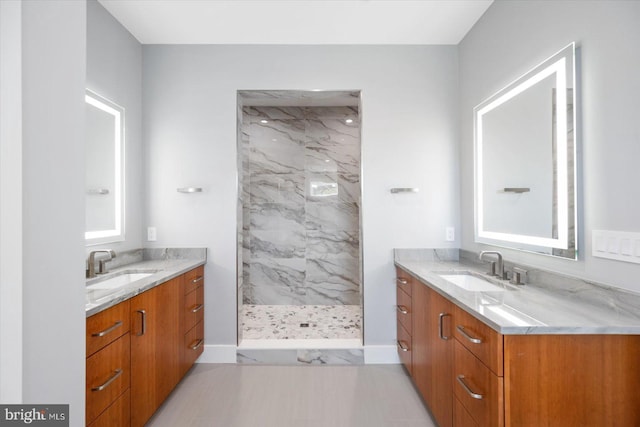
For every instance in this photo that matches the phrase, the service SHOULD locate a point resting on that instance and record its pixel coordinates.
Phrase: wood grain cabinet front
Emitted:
(193, 319)
(107, 377)
(108, 367)
(470, 375)
(404, 322)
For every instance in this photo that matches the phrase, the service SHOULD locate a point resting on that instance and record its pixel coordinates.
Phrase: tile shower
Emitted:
(299, 258)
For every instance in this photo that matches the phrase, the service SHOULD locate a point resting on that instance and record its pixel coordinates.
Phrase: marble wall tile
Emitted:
(333, 244)
(277, 216)
(332, 216)
(301, 179)
(277, 188)
(277, 244)
(277, 280)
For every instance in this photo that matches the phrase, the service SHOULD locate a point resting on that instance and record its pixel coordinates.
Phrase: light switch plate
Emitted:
(151, 234)
(450, 234)
(618, 245)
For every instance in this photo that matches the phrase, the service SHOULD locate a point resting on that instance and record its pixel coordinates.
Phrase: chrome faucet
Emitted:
(91, 262)
(496, 267)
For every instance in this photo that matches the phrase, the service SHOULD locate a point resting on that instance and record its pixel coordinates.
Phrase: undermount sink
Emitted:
(469, 282)
(119, 280)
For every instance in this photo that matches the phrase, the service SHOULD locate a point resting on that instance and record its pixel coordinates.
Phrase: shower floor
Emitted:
(287, 322)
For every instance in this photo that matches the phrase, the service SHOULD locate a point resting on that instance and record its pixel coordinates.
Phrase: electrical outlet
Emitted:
(151, 234)
(450, 234)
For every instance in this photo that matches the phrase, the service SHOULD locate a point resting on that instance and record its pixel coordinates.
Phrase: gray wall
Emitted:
(409, 139)
(514, 36)
(114, 70)
(53, 72)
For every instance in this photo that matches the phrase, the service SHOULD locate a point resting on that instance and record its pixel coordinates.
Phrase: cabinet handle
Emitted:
(115, 375)
(467, 336)
(403, 346)
(440, 332)
(197, 279)
(401, 281)
(402, 309)
(466, 388)
(197, 308)
(197, 344)
(143, 319)
(108, 330)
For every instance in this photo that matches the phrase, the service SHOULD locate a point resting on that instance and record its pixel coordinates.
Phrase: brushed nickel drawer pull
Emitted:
(197, 279)
(466, 388)
(115, 375)
(401, 281)
(197, 308)
(108, 330)
(467, 336)
(402, 309)
(440, 332)
(403, 346)
(197, 344)
(143, 315)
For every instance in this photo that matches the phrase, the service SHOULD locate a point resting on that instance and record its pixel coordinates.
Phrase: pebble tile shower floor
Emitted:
(278, 322)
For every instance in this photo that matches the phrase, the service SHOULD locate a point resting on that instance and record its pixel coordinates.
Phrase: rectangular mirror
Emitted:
(104, 206)
(525, 194)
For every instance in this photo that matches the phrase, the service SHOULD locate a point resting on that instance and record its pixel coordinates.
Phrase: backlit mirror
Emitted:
(525, 194)
(104, 206)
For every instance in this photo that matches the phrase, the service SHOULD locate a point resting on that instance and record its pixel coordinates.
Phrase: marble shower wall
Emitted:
(301, 205)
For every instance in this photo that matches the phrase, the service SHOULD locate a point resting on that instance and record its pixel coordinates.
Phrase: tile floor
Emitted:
(230, 395)
(279, 322)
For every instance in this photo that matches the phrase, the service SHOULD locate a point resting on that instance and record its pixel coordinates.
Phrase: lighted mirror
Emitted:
(104, 206)
(525, 194)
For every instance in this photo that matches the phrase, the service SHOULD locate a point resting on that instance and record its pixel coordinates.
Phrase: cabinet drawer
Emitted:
(478, 389)
(118, 414)
(404, 309)
(193, 279)
(480, 339)
(461, 418)
(193, 310)
(108, 376)
(403, 280)
(107, 326)
(193, 344)
(404, 348)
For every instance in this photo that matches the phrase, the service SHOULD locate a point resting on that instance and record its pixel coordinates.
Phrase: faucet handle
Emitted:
(519, 276)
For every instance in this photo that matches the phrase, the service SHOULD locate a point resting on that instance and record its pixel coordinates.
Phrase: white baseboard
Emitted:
(380, 354)
(373, 354)
(218, 354)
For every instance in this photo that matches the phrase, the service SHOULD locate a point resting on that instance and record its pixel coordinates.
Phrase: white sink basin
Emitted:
(119, 280)
(471, 283)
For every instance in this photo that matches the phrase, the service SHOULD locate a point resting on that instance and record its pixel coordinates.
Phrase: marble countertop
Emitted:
(163, 270)
(527, 309)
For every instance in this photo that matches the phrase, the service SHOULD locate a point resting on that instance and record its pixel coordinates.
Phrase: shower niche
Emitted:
(299, 219)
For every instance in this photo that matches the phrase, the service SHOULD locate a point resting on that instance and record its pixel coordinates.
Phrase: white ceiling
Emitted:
(416, 22)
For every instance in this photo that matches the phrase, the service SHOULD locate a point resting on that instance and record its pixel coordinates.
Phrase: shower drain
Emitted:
(304, 325)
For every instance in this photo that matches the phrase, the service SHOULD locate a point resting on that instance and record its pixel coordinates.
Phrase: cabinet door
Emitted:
(440, 311)
(432, 352)
(155, 348)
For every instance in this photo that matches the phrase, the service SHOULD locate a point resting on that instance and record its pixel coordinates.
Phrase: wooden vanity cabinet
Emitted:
(404, 323)
(108, 367)
(497, 380)
(192, 344)
(432, 351)
(155, 348)
(428, 337)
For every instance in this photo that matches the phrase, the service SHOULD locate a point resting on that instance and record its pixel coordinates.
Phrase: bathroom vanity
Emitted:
(516, 356)
(141, 340)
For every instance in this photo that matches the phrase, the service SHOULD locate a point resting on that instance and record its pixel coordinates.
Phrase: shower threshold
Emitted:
(255, 344)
